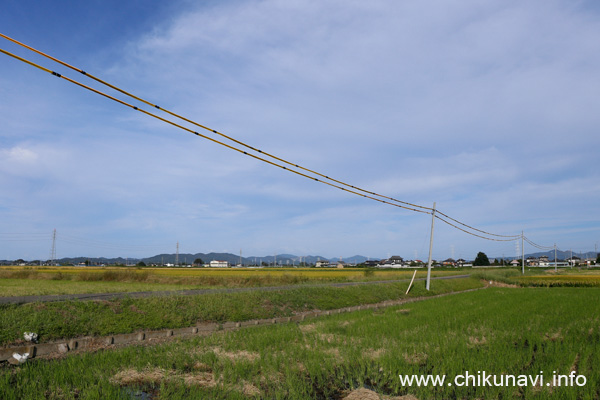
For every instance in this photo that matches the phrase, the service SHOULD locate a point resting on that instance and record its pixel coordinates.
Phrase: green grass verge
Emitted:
(498, 330)
(67, 319)
(537, 277)
(38, 287)
(28, 281)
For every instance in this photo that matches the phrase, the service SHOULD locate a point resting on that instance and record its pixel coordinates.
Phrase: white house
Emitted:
(219, 264)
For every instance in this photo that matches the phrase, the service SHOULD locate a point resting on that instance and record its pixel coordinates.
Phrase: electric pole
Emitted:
(522, 253)
(53, 250)
(428, 283)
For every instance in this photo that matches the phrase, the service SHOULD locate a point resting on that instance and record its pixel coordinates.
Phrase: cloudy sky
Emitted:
(489, 109)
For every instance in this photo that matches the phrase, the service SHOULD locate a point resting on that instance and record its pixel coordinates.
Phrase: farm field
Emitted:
(20, 281)
(68, 319)
(576, 277)
(503, 331)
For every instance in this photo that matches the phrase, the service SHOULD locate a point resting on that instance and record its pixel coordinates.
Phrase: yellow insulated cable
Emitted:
(478, 230)
(421, 208)
(199, 134)
(205, 127)
(471, 233)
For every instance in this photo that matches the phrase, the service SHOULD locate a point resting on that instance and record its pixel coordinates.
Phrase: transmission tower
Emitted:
(177, 255)
(53, 250)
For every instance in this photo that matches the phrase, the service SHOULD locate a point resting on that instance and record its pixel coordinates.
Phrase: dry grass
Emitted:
(366, 394)
(241, 355)
(475, 341)
(416, 358)
(554, 336)
(156, 376)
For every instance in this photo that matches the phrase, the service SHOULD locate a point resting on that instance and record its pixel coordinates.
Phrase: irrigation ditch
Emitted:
(64, 347)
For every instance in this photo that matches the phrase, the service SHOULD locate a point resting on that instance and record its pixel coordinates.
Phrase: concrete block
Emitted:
(227, 326)
(181, 331)
(125, 338)
(63, 348)
(45, 348)
(6, 353)
(156, 334)
(208, 327)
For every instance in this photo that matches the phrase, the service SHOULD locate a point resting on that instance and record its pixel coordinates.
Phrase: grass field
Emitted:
(575, 280)
(28, 287)
(543, 278)
(497, 330)
(20, 281)
(66, 319)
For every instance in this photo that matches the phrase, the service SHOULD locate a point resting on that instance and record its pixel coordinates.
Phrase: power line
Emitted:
(206, 137)
(207, 128)
(538, 246)
(474, 234)
(513, 237)
(338, 184)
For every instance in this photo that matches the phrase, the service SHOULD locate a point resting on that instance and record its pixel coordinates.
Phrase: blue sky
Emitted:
(490, 109)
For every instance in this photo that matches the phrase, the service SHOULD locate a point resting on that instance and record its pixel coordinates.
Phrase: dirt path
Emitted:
(191, 292)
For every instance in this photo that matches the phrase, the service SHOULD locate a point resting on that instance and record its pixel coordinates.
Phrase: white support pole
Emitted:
(555, 265)
(428, 283)
(522, 253)
(411, 282)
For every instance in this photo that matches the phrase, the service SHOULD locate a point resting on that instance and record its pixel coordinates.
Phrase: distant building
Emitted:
(543, 261)
(393, 262)
(574, 260)
(449, 262)
(219, 264)
(371, 263)
(532, 261)
(322, 264)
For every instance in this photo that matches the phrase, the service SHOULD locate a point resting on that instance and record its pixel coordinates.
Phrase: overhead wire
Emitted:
(23, 237)
(338, 184)
(471, 233)
(538, 246)
(201, 135)
(513, 237)
(100, 244)
(239, 142)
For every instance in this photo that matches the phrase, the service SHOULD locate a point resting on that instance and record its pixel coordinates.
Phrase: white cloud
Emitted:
(486, 108)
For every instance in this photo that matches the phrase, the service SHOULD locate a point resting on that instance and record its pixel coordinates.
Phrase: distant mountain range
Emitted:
(282, 259)
(560, 255)
(188, 258)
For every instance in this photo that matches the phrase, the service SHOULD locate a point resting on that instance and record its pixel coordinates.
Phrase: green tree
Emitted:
(598, 259)
(481, 260)
(198, 261)
(141, 264)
